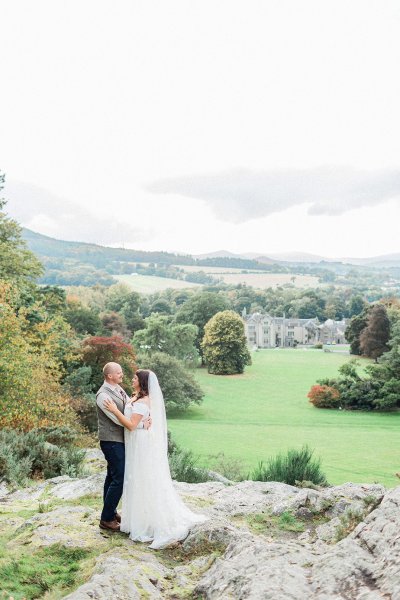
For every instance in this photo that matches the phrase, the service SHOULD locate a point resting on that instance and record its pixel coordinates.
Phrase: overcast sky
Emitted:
(196, 125)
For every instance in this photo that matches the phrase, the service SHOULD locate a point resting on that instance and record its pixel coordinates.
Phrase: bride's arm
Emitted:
(131, 423)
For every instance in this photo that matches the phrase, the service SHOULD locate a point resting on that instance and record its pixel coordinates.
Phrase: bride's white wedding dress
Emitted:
(152, 510)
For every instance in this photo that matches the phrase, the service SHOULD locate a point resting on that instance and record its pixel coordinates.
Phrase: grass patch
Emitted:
(265, 411)
(199, 502)
(348, 522)
(29, 576)
(148, 284)
(268, 524)
(91, 500)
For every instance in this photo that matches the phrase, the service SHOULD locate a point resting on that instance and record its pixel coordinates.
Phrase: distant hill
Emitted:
(218, 254)
(298, 257)
(44, 246)
(275, 257)
(293, 257)
(81, 263)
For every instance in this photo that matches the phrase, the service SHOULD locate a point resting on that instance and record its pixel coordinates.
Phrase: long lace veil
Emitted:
(157, 411)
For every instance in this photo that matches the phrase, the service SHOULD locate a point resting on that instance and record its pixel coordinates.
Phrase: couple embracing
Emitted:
(133, 438)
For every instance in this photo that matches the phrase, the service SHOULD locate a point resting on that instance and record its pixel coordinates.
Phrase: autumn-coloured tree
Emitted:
(97, 351)
(375, 336)
(31, 395)
(324, 396)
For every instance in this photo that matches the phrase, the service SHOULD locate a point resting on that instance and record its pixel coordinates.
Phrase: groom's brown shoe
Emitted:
(110, 525)
(118, 517)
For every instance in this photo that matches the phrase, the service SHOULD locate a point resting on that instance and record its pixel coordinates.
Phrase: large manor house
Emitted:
(264, 331)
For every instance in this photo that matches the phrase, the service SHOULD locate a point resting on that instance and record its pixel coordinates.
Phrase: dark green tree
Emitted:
(180, 389)
(126, 303)
(353, 331)
(175, 339)
(84, 320)
(357, 305)
(199, 309)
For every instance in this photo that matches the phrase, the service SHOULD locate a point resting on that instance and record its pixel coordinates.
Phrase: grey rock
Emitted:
(248, 497)
(123, 577)
(222, 558)
(71, 526)
(76, 488)
(328, 531)
(251, 569)
(94, 461)
(63, 487)
(215, 534)
(4, 491)
(214, 476)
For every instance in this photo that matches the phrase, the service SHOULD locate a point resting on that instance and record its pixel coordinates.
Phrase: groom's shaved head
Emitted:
(111, 368)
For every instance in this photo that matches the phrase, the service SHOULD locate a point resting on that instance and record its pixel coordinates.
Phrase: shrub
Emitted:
(182, 464)
(58, 436)
(27, 455)
(324, 396)
(296, 465)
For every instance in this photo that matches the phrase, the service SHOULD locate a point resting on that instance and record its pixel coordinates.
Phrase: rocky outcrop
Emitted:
(262, 541)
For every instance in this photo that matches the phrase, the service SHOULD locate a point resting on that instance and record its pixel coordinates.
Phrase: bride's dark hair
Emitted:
(143, 376)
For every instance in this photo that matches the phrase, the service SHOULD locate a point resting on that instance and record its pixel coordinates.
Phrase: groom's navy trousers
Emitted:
(114, 453)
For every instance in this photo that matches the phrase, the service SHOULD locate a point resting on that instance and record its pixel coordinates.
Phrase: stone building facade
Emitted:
(264, 331)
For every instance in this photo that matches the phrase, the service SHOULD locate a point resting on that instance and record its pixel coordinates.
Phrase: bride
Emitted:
(152, 510)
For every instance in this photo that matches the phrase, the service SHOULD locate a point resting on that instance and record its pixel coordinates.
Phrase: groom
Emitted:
(111, 436)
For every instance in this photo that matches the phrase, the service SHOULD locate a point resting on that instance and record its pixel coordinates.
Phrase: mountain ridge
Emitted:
(38, 242)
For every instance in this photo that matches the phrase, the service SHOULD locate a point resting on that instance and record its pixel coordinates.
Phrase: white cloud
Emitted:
(241, 195)
(154, 91)
(44, 212)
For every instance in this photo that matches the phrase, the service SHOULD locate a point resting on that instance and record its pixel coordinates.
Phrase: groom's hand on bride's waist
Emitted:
(147, 423)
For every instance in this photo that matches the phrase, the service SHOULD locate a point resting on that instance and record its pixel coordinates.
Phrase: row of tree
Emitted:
(374, 333)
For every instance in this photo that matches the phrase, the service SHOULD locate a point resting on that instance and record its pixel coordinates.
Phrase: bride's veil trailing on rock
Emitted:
(159, 420)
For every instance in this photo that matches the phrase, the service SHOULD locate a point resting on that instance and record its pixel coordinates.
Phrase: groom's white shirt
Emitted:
(104, 396)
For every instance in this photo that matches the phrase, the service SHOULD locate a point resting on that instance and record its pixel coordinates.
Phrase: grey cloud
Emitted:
(240, 195)
(40, 210)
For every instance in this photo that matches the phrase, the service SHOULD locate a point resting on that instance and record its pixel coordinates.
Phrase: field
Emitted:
(256, 279)
(213, 270)
(148, 284)
(266, 280)
(265, 411)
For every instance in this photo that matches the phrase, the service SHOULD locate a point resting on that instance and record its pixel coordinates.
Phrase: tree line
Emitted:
(374, 333)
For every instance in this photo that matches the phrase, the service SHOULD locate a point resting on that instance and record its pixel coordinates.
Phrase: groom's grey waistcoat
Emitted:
(108, 430)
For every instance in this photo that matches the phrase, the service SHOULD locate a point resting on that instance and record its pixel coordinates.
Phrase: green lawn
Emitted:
(148, 284)
(265, 411)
